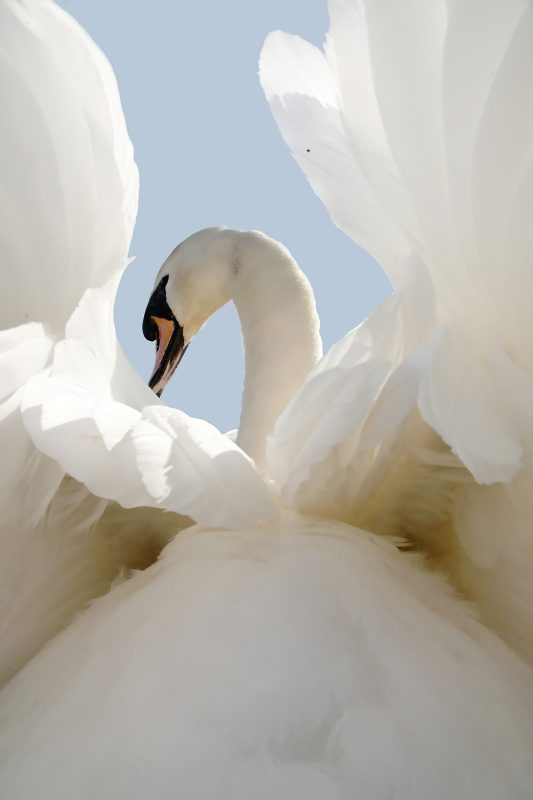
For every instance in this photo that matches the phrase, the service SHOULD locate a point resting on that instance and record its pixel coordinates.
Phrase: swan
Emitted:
(274, 648)
(287, 656)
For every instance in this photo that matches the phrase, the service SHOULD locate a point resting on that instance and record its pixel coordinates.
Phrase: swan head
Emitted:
(193, 283)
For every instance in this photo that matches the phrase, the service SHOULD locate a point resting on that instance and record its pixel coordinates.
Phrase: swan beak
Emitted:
(169, 352)
(160, 324)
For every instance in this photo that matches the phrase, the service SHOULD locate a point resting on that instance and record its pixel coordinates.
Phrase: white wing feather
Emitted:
(68, 200)
(358, 395)
(91, 413)
(303, 98)
(69, 183)
(430, 107)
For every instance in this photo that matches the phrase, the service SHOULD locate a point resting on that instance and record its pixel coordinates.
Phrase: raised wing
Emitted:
(305, 100)
(69, 190)
(414, 128)
(69, 204)
(68, 199)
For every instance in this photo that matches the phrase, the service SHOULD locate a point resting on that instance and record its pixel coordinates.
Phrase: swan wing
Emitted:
(94, 416)
(301, 88)
(433, 100)
(69, 183)
(68, 199)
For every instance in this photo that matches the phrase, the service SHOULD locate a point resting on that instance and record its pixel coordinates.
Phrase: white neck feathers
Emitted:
(280, 329)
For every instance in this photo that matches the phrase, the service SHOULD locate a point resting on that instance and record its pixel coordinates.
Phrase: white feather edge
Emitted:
(61, 105)
(155, 457)
(302, 94)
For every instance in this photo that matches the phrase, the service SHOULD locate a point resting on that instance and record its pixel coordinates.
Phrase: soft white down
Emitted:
(284, 645)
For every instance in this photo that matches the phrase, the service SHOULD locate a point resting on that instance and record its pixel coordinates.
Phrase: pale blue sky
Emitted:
(209, 153)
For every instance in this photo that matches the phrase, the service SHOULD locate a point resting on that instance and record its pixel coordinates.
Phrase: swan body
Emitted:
(275, 648)
(303, 659)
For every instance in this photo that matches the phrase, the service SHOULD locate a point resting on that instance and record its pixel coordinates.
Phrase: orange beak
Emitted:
(160, 324)
(165, 329)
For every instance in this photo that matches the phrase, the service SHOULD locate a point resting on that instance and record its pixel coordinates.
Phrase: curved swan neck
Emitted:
(280, 329)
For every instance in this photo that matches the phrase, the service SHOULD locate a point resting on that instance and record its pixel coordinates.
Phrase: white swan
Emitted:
(268, 652)
(297, 657)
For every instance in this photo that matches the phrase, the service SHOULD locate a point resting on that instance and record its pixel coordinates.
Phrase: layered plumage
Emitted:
(273, 649)
(413, 128)
(68, 196)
